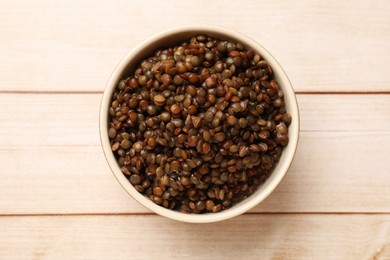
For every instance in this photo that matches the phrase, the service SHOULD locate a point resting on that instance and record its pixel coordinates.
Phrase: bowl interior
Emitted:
(174, 37)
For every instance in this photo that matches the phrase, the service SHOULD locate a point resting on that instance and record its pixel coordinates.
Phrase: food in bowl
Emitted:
(199, 126)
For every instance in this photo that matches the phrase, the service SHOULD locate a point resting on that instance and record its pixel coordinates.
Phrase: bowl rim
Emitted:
(256, 197)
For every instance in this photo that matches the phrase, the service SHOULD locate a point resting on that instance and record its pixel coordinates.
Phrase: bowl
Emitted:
(170, 38)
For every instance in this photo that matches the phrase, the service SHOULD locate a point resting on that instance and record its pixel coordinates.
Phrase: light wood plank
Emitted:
(332, 172)
(75, 45)
(346, 113)
(49, 119)
(150, 237)
(72, 119)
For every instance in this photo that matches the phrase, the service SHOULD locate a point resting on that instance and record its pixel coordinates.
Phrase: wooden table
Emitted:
(59, 200)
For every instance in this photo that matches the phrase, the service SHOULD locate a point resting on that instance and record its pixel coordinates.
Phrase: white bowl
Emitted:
(170, 38)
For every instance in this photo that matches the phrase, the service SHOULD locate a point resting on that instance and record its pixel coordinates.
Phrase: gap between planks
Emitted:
(154, 214)
(101, 92)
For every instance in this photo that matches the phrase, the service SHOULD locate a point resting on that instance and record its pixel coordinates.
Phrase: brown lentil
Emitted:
(232, 120)
(198, 127)
(159, 100)
(175, 109)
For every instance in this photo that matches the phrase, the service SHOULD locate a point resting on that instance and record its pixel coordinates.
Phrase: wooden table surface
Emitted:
(59, 200)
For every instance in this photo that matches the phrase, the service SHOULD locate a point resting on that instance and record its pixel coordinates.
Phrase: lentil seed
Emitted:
(135, 179)
(175, 109)
(159, 100)
(112, 133)
(232, 120)
(220, 137)
(125, 144)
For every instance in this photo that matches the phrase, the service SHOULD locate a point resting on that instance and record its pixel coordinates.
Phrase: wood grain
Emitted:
(245, 237)
(72, 119)
(75, 45)
(49, 119)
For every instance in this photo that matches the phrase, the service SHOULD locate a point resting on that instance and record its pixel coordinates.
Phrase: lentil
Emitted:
(200, 126)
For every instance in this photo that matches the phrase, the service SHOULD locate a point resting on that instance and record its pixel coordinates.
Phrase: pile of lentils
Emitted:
(199, 126)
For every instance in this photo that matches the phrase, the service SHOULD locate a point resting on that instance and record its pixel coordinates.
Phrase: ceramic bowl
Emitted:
(173, 37)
